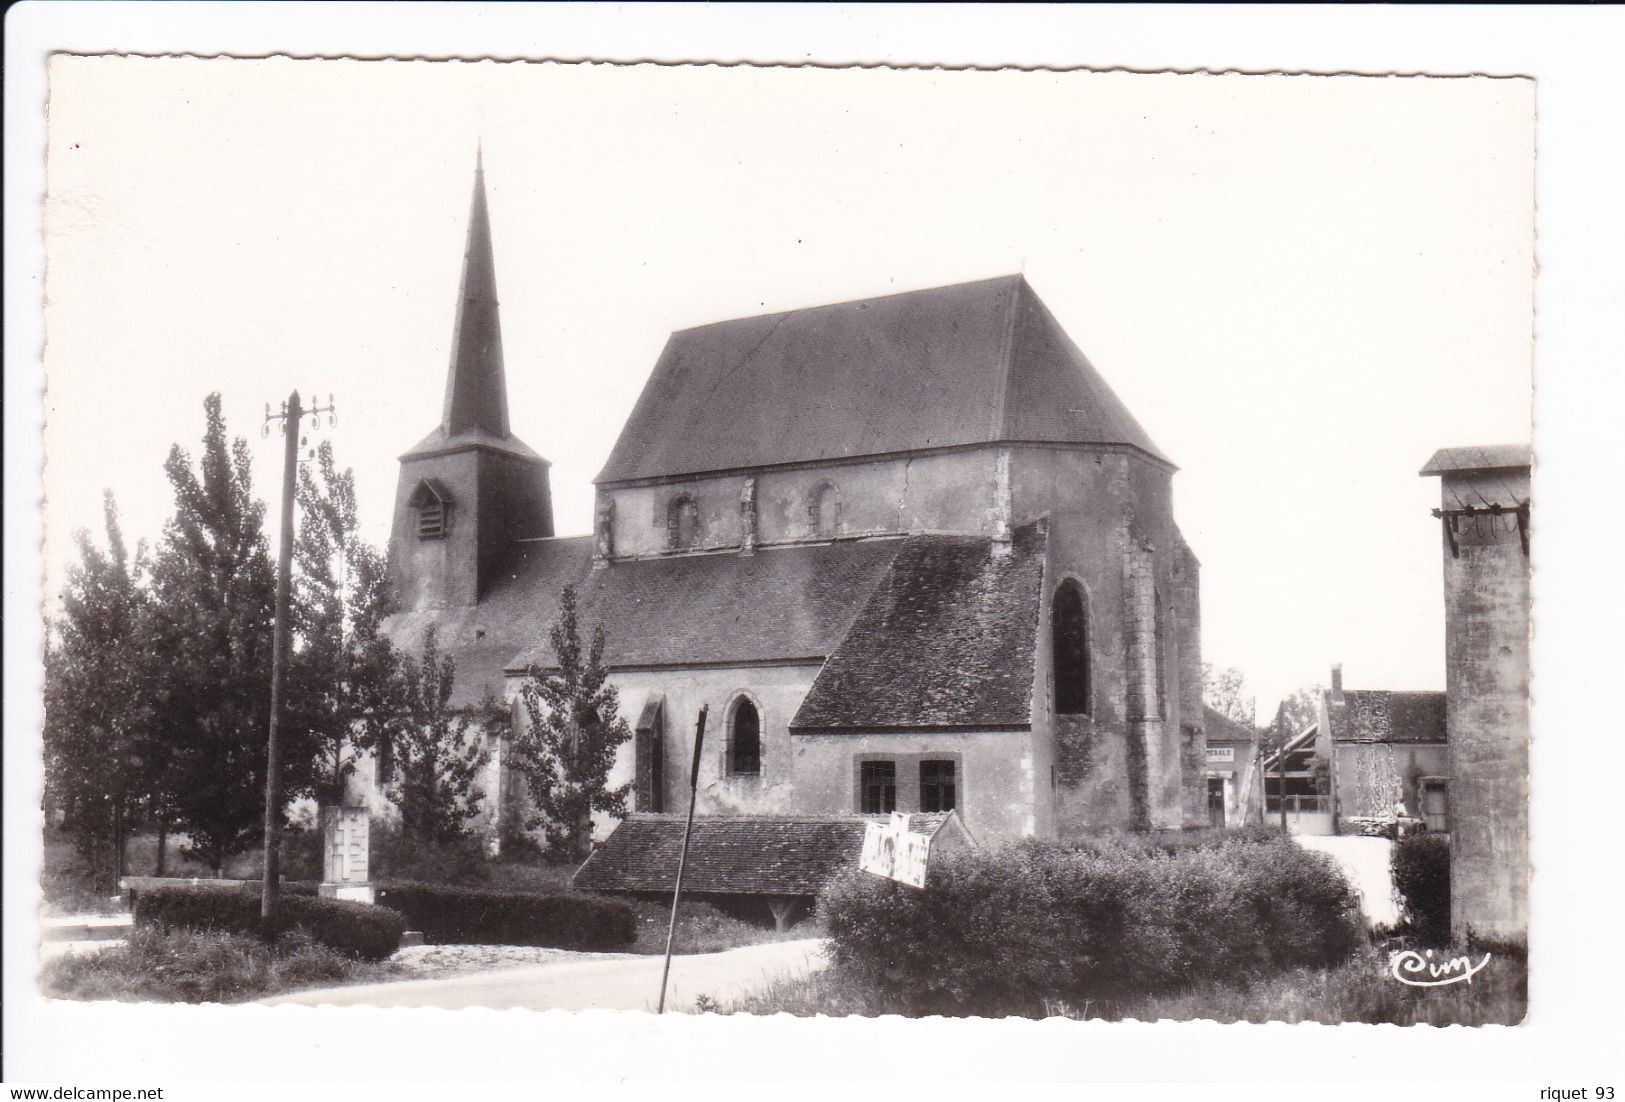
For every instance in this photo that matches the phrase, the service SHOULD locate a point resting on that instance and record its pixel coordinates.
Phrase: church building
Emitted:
(911, 552)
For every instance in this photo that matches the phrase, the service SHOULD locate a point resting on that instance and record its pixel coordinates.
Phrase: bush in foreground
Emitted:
(450, 915)
(194, 966)
(1421, 870)
(354, 929)
(1016, 929)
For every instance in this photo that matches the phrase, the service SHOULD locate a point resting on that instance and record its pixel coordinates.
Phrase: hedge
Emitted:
(1421, 869)
(1010, 931)
(453, 915)
(357, 929)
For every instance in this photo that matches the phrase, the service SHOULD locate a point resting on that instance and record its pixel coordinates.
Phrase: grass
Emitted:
(1360, 990)
(702, 928)
(195, 966)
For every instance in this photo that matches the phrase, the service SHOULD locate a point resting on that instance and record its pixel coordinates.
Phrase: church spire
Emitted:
(476, 387)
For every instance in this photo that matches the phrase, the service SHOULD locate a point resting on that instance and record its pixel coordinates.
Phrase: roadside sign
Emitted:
(893, 851)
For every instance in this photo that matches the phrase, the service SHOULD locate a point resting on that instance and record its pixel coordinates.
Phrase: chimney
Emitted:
(1337, 682)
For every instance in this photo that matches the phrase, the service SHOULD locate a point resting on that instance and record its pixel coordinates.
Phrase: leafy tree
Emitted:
(1225, 691)
(344, 677)
(214, 591)
(102, 765)
(438, 751)
(567, 748)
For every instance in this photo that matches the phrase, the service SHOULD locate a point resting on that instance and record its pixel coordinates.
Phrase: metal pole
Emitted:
(682, 857)
(279, 665)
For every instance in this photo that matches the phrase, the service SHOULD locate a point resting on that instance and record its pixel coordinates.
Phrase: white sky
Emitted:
(1301, 286)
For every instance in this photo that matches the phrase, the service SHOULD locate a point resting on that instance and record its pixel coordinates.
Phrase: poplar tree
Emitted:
(438, 751)
(345, 684)
(568, 747)
(213, 590)
(103, 767)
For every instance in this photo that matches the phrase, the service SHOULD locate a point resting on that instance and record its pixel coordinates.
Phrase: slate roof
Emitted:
(1378, 716)
(1483, 457)
(946, 639)
(973, 363)
(759, 855)
(1221, 728)
(732, 854)
(780, 604)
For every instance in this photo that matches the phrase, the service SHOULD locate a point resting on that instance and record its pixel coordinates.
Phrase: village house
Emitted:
(911, 552)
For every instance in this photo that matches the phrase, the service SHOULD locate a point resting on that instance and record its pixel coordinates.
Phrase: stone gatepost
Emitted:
(344, 854)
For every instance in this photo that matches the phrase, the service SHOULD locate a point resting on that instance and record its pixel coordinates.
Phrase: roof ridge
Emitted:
(1007, 360)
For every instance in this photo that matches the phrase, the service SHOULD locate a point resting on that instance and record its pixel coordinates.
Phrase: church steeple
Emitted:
(476, 387)
(470, 492)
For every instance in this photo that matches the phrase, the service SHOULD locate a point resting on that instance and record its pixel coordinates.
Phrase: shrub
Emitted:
(1421, 868)
(1011, 930)
(356, 929)
(452, 915)
(398, 855)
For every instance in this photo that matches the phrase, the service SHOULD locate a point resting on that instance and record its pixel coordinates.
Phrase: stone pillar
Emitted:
(345, 842)
(747, 517)
(603, 532)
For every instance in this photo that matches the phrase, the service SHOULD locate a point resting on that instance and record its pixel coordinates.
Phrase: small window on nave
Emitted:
(682, 523)
(824, 510)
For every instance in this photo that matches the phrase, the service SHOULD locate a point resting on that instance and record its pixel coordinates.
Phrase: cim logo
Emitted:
(1424, 970)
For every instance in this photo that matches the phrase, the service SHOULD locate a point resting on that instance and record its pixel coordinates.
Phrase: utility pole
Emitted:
(682, 856)
(290, 418)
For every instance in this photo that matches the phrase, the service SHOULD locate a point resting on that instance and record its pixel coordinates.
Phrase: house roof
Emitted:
(734, 854)
(1368, 715)
(1221, 728)
(946, 639)
(780, 604)
(973, 363)
(1481, 457)
(753, 855)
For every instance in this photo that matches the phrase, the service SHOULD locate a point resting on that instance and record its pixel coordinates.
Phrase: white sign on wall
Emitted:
(895, 852)
(1221, 753)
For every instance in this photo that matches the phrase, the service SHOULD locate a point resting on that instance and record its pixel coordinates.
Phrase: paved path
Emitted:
(588, 981)
(1365, 862)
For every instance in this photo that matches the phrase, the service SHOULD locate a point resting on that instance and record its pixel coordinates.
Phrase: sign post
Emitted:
(895, 852)
(682, 857)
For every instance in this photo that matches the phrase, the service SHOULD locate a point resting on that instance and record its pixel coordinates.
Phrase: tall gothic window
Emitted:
(1069, 646)
(682, 523)
(745, 740)
(824, 510)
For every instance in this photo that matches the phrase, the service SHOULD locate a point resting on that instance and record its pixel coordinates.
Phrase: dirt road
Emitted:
(588, 981)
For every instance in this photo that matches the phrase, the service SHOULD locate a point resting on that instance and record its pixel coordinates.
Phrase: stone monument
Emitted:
(344, 854)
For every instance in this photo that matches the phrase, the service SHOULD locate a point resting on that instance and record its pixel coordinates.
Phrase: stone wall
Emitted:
(959, 491)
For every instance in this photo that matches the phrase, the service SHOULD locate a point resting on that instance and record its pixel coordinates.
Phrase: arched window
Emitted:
(682, 523)
(745, 740)
(1069, 644)
(824, 510)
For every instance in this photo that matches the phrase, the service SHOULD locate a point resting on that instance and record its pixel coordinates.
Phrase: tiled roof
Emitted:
(1482, 457)
(974, 363)
(946, 639)
(1221, 728)
(754, 855)
(1377, 716)
(780, 604)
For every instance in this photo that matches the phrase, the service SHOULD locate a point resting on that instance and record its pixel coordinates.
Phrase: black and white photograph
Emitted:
(730, 541)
